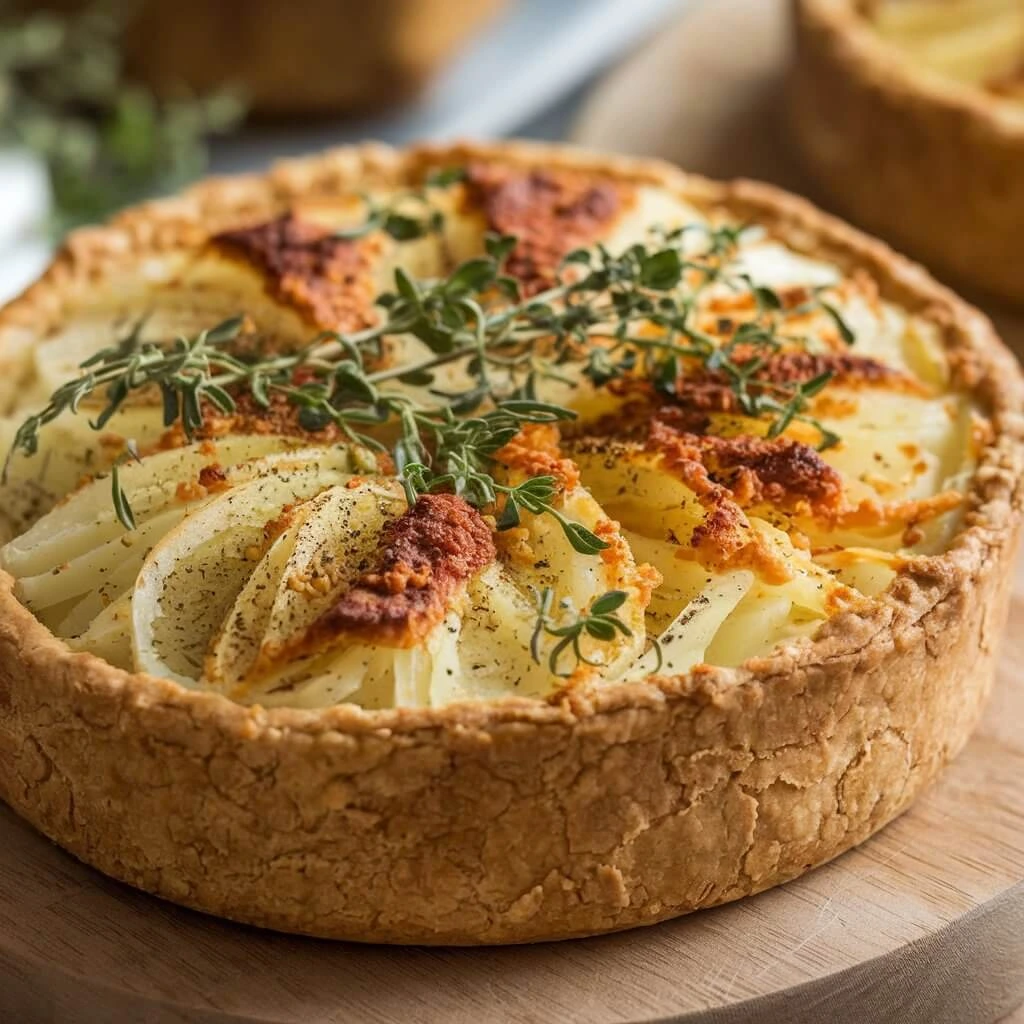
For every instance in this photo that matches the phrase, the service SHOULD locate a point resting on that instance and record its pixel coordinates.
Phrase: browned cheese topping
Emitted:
(749, 470)
(326, 279)
(427, 554)
(550, 213)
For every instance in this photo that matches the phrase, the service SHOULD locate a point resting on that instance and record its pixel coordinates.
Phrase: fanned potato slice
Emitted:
(100, 574)
(87, 518)
(330, 541)
(69, 450)
(633, 488)
(868, 571)
(682, 578)
(489, 654)
(109, 634)
(96, 577)
(686, 640)
(767, 614)
(482, 648)
(327, 679)
(192, 577)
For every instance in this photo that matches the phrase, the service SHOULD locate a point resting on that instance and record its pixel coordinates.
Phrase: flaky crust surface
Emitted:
(934, 166)
(516, 820)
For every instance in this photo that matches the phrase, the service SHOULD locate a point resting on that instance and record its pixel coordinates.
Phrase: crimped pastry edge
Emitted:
(516, 820)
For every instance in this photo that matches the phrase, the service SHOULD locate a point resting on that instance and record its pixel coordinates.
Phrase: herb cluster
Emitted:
(570, 627)
(444, 417)
(505, 346)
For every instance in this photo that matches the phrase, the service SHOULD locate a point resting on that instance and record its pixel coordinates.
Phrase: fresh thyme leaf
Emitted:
(609, 602)
(405, 229)
(766, 298)
(445, 177)
(581, 256)
(121, 504)
(600, 623)
(583, 540)
(502, 343)
(396, 217)
(227, 330)
(845, 331)
(661, 272)
(498, 247)
(122, 507)
(473, 276)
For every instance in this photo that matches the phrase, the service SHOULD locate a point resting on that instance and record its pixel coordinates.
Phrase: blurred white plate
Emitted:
(24, 204)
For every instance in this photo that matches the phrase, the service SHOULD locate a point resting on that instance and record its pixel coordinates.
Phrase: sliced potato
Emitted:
(192, 577)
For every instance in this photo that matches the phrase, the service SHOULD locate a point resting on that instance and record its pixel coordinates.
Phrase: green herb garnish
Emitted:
(503, 344)
(601, 622)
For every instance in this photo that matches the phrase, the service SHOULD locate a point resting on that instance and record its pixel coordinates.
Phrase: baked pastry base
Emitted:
(862, 936)
(516, 821)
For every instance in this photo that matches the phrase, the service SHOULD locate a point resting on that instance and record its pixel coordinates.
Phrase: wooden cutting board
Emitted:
(924, 924)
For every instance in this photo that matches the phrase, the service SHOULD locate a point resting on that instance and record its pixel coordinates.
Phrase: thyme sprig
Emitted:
(408, 215)
(570, 627)
(633, 313)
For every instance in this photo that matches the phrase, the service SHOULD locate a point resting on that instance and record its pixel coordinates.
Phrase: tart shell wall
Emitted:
(518, 820)
(935, 167)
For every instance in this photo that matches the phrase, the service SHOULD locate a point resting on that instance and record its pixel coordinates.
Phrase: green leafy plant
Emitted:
(105, 141)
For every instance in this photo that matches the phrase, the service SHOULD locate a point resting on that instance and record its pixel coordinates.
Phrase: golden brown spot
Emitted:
(327, 280)
(213, 479)
(276, 526)
(427, 554)
(550, 213)
(189, 490)
(779, 472)
(535, 451)
(701, 393)
(872, 514)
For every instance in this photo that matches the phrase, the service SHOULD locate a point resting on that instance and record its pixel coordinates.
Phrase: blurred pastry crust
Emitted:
(307, 57)
(934, 165)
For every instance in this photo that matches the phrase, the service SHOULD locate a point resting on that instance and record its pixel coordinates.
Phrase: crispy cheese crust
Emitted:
(426, 554)
(325, 277)
(550, 212)
(520, 820)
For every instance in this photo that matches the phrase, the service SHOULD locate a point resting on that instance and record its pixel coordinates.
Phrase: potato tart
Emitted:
(910, 113)
(483, 544)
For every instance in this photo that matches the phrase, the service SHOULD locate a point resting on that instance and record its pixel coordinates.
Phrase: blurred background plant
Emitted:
(105, 139)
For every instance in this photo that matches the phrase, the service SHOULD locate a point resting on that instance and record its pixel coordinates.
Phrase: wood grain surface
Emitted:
(924, 924)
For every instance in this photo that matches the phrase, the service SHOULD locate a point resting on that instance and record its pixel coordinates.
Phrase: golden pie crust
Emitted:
(933, 165)
(517, 820)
